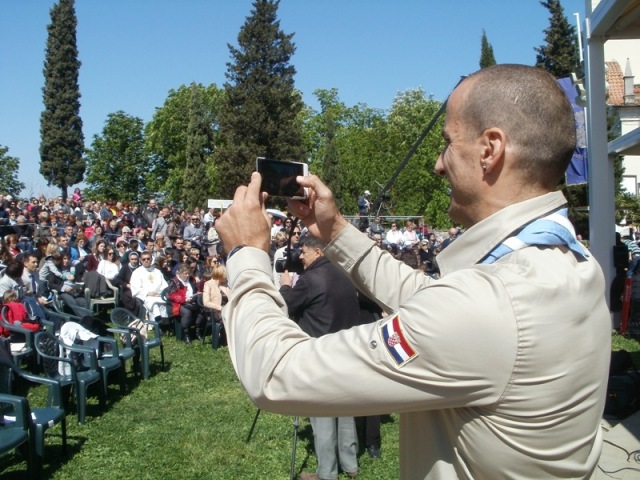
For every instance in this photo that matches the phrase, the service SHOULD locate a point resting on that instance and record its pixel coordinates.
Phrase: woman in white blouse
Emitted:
(110, 265)
(410, 236)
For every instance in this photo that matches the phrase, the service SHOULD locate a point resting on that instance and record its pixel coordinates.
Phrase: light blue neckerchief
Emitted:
(553, 230)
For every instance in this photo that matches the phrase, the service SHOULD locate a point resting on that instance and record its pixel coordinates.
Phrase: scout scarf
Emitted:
(553, 230)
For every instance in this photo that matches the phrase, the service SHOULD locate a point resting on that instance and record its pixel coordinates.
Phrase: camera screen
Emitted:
(279, 178)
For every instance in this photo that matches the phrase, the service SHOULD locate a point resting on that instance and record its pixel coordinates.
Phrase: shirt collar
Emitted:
(476, 242)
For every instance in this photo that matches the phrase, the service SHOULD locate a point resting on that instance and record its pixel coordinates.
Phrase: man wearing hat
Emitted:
(363, 207)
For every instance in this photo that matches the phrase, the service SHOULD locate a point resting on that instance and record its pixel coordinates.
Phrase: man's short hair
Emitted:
(28, 256)
(530, 107)
(310, 241)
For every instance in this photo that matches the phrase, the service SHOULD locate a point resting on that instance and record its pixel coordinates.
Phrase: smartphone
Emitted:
(279, 178)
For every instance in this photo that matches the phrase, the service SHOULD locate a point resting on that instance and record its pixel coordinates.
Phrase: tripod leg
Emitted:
(253, 425)
(296, 424)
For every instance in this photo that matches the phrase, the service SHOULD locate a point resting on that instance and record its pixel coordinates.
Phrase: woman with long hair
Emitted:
(11, 242)
(5, 255)
(162, 264)
(109, 266)
(98, 254)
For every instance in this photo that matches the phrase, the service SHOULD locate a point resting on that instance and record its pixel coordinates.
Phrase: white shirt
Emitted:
(410, 238)
(395, 237)
(107, 269)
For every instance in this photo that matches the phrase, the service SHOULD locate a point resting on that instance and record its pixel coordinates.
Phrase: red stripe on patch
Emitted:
(403, 341)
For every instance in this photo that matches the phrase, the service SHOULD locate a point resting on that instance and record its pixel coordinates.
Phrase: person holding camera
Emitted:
(324, 301)
(482, 364)
(283, 253)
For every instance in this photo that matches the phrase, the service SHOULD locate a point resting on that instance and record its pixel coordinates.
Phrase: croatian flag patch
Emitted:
(395, 341)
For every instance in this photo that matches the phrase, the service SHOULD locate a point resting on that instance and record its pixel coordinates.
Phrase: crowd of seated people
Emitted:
(115, 239)
(414, 243)
(127, 245)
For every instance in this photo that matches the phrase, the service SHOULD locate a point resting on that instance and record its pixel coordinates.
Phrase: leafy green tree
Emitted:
(62, 142)
(559, 54)
(486, 52)
(261, 112)
(9, 166)
(168, 132)
(370, 145)
(367, 155)
(196, 183)
(117, 163)
(418, 189)
(325, 128)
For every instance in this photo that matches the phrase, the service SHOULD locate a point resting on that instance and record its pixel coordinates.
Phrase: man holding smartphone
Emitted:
(482, 364)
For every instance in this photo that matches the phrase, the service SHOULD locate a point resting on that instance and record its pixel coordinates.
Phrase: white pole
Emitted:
(577, 15)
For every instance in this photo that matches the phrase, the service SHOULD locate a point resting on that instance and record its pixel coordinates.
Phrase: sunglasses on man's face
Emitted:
(145, 259)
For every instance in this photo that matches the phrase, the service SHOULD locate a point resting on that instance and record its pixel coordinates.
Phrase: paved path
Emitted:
(620, 457)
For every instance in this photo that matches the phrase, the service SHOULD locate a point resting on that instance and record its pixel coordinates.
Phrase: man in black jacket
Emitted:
(323, 301)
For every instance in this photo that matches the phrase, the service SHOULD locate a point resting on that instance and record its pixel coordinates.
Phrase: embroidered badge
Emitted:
(395, 341)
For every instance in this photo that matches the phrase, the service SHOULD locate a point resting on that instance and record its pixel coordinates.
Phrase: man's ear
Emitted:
(494, 145)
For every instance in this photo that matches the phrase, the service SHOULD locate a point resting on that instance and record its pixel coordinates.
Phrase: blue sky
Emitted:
(134, 51)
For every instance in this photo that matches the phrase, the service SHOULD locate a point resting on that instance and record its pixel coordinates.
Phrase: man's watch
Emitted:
(235, 249)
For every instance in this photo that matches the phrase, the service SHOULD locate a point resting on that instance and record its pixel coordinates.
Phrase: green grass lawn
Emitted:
(192, 421)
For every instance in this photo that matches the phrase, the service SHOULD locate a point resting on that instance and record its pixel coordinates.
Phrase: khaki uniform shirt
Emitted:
(498, 371)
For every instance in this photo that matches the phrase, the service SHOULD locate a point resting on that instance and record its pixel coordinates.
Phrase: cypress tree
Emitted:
(196, 182)
(261, 112)
(486, 52)
(62, 142)
(559, 55)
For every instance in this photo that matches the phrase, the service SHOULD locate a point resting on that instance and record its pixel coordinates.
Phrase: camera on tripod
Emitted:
(291, 261)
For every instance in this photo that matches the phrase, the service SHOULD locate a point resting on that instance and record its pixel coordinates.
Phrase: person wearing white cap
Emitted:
(363, 208)
(126, 236)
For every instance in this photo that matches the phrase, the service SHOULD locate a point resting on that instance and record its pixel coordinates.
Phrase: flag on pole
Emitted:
(577, 172)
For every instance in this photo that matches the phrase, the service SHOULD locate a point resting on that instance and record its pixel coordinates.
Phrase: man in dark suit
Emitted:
(32, 288)
(31, 277)
(323, 301)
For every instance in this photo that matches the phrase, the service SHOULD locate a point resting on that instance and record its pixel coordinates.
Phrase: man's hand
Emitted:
(285, 279)
(246, 221)
(319, 212)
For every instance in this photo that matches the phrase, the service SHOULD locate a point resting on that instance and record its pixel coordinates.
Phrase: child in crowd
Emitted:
(16, 314)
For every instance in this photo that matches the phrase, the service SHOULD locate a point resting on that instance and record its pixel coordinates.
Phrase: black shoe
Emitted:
(374, 452)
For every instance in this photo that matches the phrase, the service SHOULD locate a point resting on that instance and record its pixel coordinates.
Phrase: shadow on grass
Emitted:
(54, 457)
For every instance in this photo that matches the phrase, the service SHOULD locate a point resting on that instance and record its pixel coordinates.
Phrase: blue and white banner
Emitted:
(577, 171)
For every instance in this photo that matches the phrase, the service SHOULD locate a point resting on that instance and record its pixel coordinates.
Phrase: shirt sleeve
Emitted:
(442, 348)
